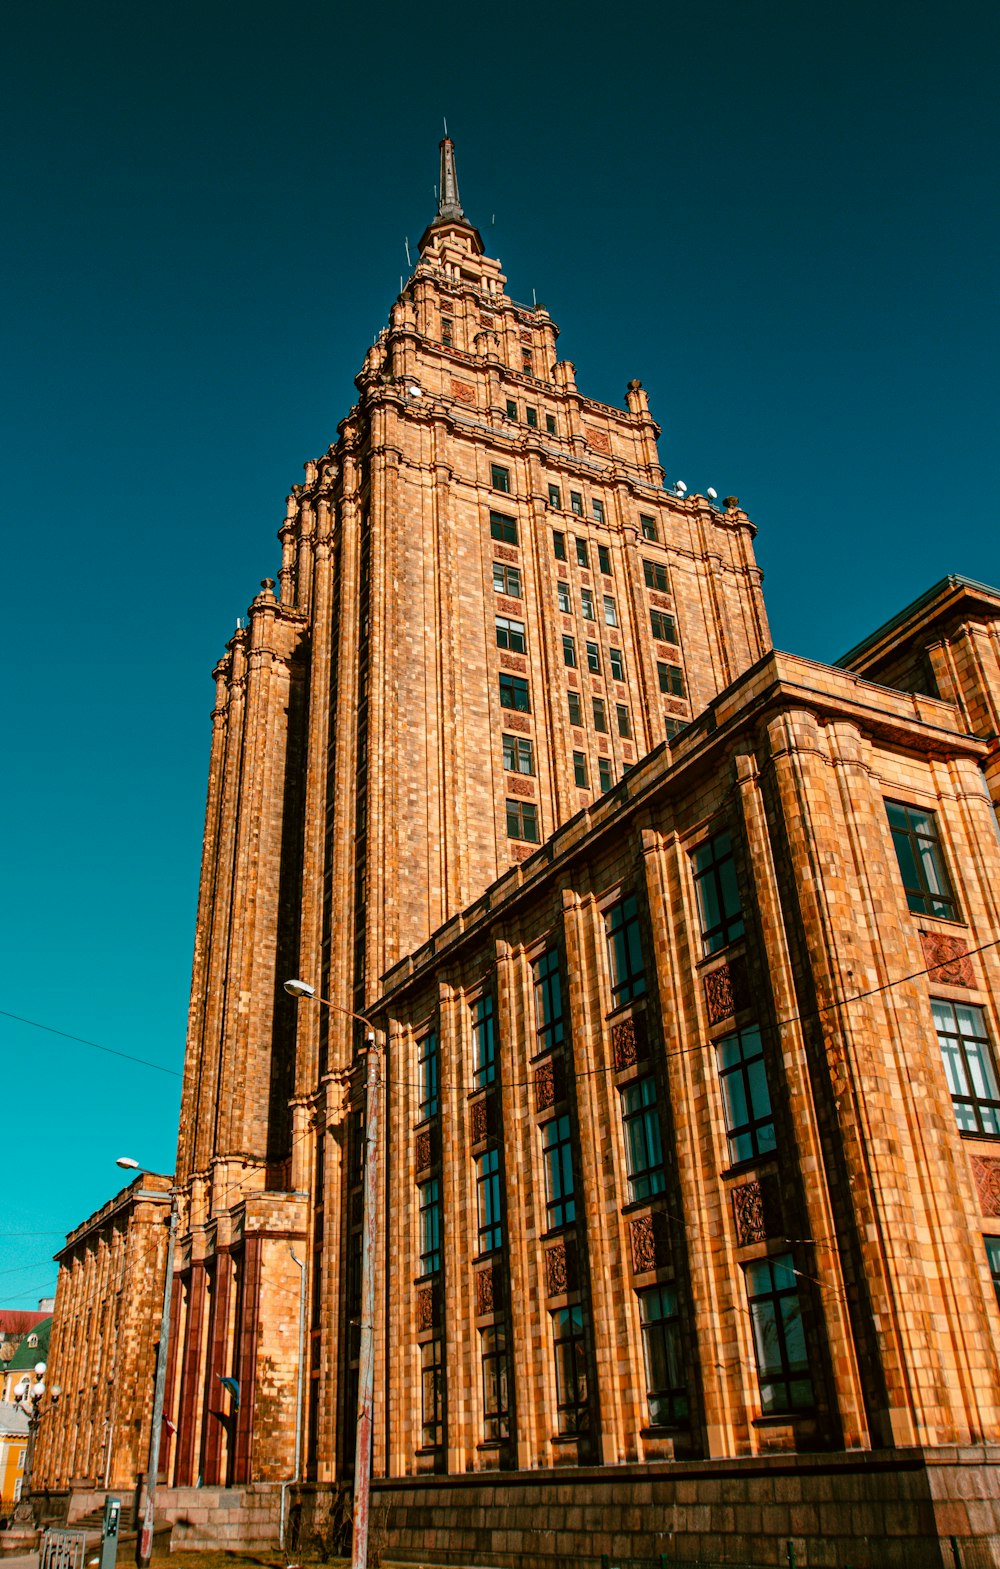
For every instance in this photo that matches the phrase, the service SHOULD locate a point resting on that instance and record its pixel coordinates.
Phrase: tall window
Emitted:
(496, 1403)
(514, 693)
(648, 526)
(666, 1382)
(428, 1074)
(550, 424)
(655, 576)
(993, 1259)
(562, 596)
(558, 539)
(430, 1226)
(575, 708)
(662, 626)
(745, 1096)
(576, 504)
(643, 1146)
(484, 1041)
(499, 477)
(569, 651)
(510, 634)
(604, 559)
(570, 1344)
(518, 755)
(531, 416)
(921, 861)
(605, 774)
(506, 580)
(968, 1064)
(580, 770)
(624, 726)
(511, 409)
(431, 1393)
(587, 604)
(555, 500)
(488, 1201)
(779, 1340)
(671, 679)
(617, 664)
(522, 821)
(557, 1154)
(503, 528)
(593, 658)
(718, 895)
(598, 510)
(600, 715)
(610, 611)
(446, 326)
(628, 973)
(548, 1000)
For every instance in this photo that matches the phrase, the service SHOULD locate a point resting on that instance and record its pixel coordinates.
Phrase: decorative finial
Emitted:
(449, 205)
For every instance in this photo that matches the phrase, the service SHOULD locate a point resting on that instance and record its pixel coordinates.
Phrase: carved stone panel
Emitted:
(489, 1290)
(521, 852)
(426, 1308)
(463, 392)
(650, 1243)
(514, 662)
(545, 1085)
(986, 1175)
(516, 722)
(518, 786)
(726, 991)
(598, 440)
(560, 1268)
(482, 1119)
(422, 1149)
(628, 1042)
(505, 553)
(947, 959)
(748, 1213)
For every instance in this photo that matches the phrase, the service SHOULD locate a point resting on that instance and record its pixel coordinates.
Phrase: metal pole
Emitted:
(366, 1370)
(144, 1541)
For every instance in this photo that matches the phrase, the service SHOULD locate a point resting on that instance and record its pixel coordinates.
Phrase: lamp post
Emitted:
(144, 1540)
(30, 1398)
(366, 1368)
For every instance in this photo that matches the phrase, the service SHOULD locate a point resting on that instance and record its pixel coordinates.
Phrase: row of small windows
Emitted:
(500, 481)
(531, 417)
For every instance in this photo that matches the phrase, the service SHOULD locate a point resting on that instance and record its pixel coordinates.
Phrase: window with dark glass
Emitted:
(496, 1403)
(671, 679)
(968, 1065)
(484, 1042)
(628, 972)
(580, 770)
(503, 528)
(718, 893)
(570, 1345)
(672, 727)
(600, 715)
(746, 1099)
(499, 477)
(526, 362)
(587, 604)
(522, 821)
(506, 580)
(429, 1194)
(548, 999)
(663, 1354)
(624, 724)
(662, 626)
(555, 500)
(643, 1146)
(431, 1393)
(511, 409)
(550, 424)
(531, 415)
(993, 1259)
(557, 1155)
(582, 557)
(617, 664)
(569, 650)
(518, 755)
(446, 326)
(610, 611)
(593, 658)
(921, 861)
(514, 693)
(562, 595)
(779, 1340)
(655, 575)
(648, 526)
(488, 1201)
(575, 708)
(510, 634)
(604, 559)
(605, 774)
(558, 545)
(597, 508)
(428, 1074)
(576, 503)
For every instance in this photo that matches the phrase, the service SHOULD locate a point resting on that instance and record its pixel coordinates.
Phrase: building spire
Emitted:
(449, 205)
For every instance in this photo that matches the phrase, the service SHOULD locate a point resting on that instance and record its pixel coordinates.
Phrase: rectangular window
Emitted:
(582, 558)
(548, 1000)
(570, 1345)
(717, 891)
(600, 716)
(587, 603)
(484, 1042)
(531, 415)
(550, 424)
(663, 1354)
(428, 1074)
(555, 500)
(624, 726)
(514, 693)
(671, 679)
(673, 727)
(617, 664)
(662, 627)
(604, 559)
(593, 658)
(580, 770)
(648, 526)
(779, 1340)
(510, 634)
(993, 1259)
(968, 1065)
(597, 507)
(522, 821)
(643, 1146)
(562, 595)
(576, 503)
(746, 1099)
(430, 1226)
(500, 478)
(446, 326)
(557, 1155)
(503, 528)
(558, 545)
(506, 580)
(525, 362)
(518, 755)
(569, 650)
(605, 774)
(488, 1201)
(575, 708)
(655, 575)
(628, 972)
(496, 1404)
(511, 409)
(921, 861)
(431, 1393)
(610, 612)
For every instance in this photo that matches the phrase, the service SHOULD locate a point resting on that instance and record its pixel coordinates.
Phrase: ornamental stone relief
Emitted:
(480, 1121)
(545, 1085)
(650, 1243)
(676, 706)
(726, 991)
(947, 959)
(422, 1149)
(504, 553)
(426, 1314)
(748, 1213)
(489, 1294)
(628, 1042)
(462, 392)
(599, 440)
(522, 851)
(986, 1175)
(661, 601)
(519, 786)
(514, 662)
(560, 1271)
(516, 722)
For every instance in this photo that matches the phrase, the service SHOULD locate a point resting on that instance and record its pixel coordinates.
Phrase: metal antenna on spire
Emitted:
(445, 124)
(406, 245)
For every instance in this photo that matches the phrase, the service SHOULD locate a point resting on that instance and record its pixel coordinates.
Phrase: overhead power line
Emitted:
(127, 1056)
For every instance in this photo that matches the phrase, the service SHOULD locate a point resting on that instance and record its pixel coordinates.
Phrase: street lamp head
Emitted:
(127, 1163)
(37, 1390)
(300, 989)
(39, 1369)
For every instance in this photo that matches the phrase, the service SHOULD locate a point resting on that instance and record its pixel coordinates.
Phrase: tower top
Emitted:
(449, 210)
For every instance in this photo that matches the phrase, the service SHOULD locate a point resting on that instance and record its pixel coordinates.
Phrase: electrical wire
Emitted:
(143, 1062)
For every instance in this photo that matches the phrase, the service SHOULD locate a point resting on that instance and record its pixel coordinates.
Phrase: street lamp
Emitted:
(366, 1370)
(30, 1398)
(144, 1540)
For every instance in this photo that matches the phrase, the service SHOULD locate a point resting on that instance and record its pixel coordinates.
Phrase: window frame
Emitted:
(569, 650)
(570, 1356)
(616, 661)
(522, 820)
(604, 561)
(483, 1014)
(429, 1219)
(432, 1393)
(428, 1075)
(511, 634)
(547, 991)
(745, 1086)
(605, 775)
(559, 1170)
(643, 1136)
(969, 1074)
(662, 626)
(600, 715)
(668, 1399)
(597, 509)
(580, 774)
(496, 1381)
(503, 528)
(518, 748)
(517, 688)
(587, 609)
(555, 499)
(575, 709)
(626, 960)
(563, 598)
(648, 527)
(713, 868)
(624, 721)
(501, 483)
(922, 849)
(559, 544)
(489, 1202)
(507, 575)
(778, 1377)
(671, 678)
(576, 504)
(655, 575)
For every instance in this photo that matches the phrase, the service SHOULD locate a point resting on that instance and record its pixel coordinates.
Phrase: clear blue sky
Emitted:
(781, 217)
